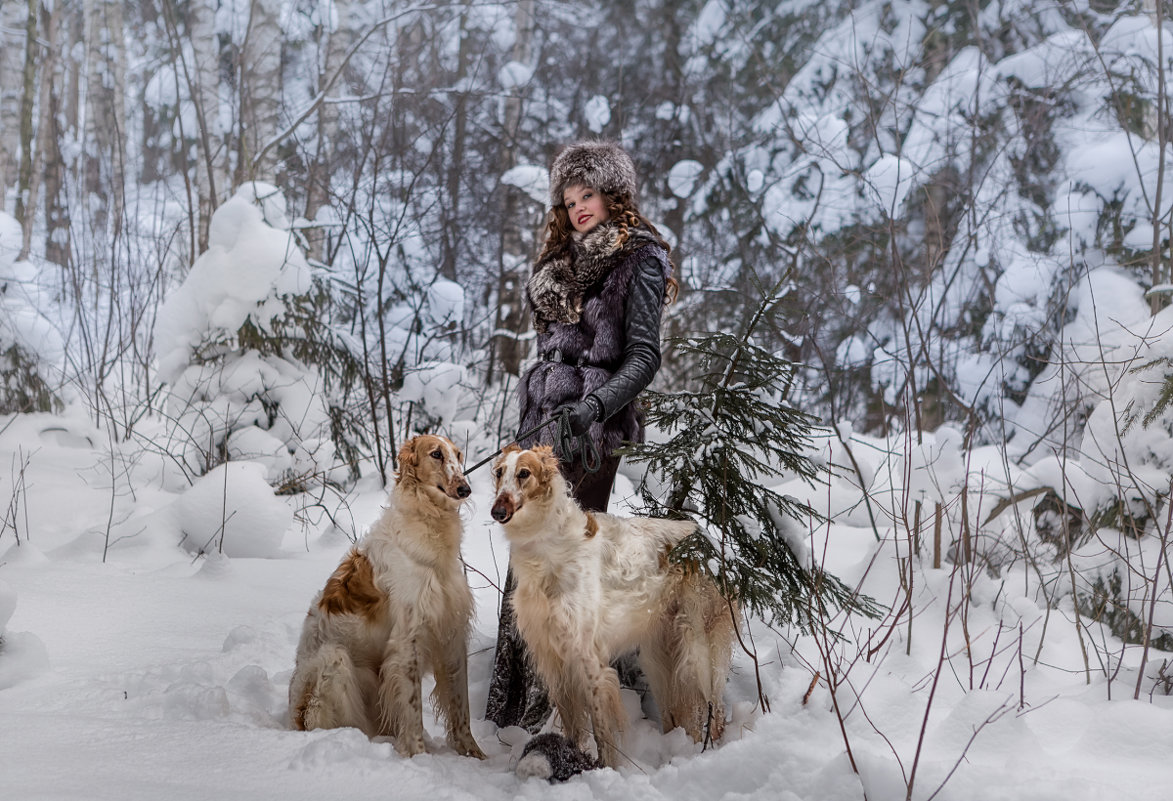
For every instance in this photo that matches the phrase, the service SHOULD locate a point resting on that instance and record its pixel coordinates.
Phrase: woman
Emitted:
(596, 294)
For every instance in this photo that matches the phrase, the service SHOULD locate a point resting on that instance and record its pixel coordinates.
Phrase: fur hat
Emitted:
(597, 163)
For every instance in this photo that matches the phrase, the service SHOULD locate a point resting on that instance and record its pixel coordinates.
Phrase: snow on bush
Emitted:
(226, 342)
(233, 510)
(30, 348)
(250, 265)
(428, 376)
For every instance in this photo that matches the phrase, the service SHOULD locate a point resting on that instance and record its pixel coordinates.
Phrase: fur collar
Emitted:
(561, 280)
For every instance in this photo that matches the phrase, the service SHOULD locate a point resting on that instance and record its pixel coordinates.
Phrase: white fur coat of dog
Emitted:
(593, 586)
(397, 607)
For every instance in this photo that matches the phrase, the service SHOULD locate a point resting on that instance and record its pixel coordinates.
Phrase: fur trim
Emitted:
(559, 282)
(598, 164)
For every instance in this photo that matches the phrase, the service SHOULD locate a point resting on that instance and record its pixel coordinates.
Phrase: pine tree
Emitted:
(727, 441)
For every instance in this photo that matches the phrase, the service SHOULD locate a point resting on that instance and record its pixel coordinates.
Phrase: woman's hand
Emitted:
(582, 413)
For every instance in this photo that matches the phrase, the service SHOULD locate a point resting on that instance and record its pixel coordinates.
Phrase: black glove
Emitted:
(582, 414)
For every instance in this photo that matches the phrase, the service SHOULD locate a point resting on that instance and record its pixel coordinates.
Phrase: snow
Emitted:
(435, 385)
(155, 673)
(514, 76)
(445, 303)
(889, 181)
(708, 23)
(531, 179)
(598, 113)
(21, 322)
(683, 175)
(250, 263)
(232, 510)
(150, 602)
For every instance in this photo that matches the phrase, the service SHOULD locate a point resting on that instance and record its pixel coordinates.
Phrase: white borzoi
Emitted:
(591, 587)
(398, 606)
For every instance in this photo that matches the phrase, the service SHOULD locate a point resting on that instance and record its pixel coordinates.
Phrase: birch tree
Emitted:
(57, 126)
(258, 79)
(105, 118)
(12, 47)
(522, 217)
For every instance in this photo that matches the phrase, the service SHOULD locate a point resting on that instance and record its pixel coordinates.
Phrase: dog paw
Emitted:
(467, 746)
(410, 746)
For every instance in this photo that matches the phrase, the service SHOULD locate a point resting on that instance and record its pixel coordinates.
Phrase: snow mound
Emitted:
(233, 510)
(22, 655)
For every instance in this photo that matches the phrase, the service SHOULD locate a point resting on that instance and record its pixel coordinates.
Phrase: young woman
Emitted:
(596, 294)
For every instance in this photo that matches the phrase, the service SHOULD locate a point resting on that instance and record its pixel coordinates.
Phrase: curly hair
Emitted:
(622, 211)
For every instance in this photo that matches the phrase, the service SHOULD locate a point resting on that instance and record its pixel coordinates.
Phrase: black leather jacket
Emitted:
(641, 353)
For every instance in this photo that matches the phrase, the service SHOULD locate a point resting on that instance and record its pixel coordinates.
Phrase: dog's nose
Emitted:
(463, 491)
(500, 513)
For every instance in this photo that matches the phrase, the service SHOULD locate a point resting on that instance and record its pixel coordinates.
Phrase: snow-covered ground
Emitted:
(156, 674)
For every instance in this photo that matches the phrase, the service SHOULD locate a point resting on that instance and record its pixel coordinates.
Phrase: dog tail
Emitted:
(670, 532)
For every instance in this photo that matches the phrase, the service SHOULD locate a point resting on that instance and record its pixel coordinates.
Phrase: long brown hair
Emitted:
(623, 211)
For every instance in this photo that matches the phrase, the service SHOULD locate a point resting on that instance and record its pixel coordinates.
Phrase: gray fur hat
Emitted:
(596, 163)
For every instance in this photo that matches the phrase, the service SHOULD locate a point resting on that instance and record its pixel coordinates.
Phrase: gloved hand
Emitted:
(582, 414)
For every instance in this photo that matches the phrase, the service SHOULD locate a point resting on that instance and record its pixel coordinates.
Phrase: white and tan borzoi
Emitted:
(398, 606)
(593, 586)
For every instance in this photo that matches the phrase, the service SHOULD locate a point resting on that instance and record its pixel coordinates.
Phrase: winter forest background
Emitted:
(247, 247)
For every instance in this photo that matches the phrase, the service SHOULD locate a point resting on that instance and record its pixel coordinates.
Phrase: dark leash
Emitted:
(566, 444)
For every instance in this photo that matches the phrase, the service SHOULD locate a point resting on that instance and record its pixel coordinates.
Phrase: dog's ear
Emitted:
(408, 459)
(549, 462)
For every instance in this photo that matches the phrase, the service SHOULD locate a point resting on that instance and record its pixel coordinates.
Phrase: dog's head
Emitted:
(521, 477)
(432, 463)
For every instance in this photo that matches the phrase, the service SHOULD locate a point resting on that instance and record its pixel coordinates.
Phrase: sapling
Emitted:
(728, 442)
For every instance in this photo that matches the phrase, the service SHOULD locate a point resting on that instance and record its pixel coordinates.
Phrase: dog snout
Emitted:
(463, 491)
(502, 509)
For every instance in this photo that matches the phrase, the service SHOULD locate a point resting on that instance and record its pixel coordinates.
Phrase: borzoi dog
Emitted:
(397, 606)
(591, 587)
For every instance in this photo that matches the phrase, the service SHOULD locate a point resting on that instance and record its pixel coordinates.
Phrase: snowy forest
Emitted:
(248, 247)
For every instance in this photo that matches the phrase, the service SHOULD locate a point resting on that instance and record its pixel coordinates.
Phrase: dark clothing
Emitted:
(611, 350)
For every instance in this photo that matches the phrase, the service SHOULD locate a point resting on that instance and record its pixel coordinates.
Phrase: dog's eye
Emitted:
(500, 471)
(523, 473)
(436, 454)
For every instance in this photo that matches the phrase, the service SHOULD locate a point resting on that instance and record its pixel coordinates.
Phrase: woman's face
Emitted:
(585, 207)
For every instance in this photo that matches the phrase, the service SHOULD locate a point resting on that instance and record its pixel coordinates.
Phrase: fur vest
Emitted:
(578, 298)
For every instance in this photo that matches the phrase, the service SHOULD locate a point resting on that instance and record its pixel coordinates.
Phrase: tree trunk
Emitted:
(24, 200)
(259, 74)
(59, 86)
(333, 46)
(12, 59)
(521, 220)
(105, 118)
(450, 215)
(203, 80)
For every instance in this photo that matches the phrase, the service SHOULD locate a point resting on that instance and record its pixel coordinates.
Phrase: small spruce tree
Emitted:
(256, 369)
(726, 441)
(30, 348)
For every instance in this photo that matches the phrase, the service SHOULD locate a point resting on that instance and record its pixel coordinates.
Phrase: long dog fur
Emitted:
(591, 587)
(398, 606)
